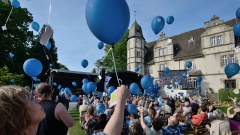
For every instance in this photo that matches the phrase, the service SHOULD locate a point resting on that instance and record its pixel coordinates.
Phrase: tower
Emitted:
(135, 49)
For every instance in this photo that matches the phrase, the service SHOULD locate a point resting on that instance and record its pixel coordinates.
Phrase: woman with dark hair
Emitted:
(235, 122)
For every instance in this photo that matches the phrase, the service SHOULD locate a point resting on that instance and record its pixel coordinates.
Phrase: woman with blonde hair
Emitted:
(20, 112)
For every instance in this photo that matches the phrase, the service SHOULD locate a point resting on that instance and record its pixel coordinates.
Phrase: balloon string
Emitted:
(50, 10)
(115, 67)
(106, 54)
(8, 16)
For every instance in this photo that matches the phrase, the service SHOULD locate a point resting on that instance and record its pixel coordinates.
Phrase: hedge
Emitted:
(223, 94)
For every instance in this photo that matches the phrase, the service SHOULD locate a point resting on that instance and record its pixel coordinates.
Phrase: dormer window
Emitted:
(191, 39)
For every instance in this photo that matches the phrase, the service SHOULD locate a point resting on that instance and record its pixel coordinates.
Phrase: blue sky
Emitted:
(75, 41)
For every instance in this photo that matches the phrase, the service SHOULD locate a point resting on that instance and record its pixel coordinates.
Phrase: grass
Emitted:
(75, 130)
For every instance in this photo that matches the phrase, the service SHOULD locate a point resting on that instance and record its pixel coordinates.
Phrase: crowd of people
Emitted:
(23, 112)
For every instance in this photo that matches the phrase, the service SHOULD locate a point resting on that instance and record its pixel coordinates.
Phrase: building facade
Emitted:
(209, 49)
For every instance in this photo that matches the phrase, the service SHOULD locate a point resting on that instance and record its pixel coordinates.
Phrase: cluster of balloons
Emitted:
(66, 90)
(198, 80)
(231, 69)
(88, 87)
(150, 88)
(236, 27)
(112, 18)
(84, 63)
(32, 67)
(158, 23)
(73, 98)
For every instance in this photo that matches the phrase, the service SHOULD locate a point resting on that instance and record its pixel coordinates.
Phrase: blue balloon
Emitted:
(35, 26)
(91, 87)
(85, 80)
(170, 20)
(180, 82)
(236, 29)
(35, 79)
(100, 94)
(15, 4)
(146, 81)
(198, 78)
(110, 90)
(74, 84)
(100, 45)
(59, 87)
(166, 70)
(100, 108)
(84, 88)
(188, 64)
(50, 65)
(136, 69)
(35, 85)
(68, 91)
(108, 20)
(39, 80)
(134, 88)
(32, 67)
(140, 67)
(54, 84)
(73, 98)
(12, 81)
(11, 55)
(132, 109)
(84, 63)
(172, 90)
(227, 89)
(184, 75)
(238, 13)
(169, 86)
(157, 24)
(49, 45)
(231, 70)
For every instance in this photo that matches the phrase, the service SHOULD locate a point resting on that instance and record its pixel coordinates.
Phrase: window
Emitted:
(147, 71)
(192, 83)
(213, 41)
(163, 51)
(230, 83)
(224, 60)
(219, 40)
(161, 67)
(138, 54)
(231, 58)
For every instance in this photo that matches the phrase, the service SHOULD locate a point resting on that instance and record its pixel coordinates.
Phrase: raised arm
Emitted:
(144, 126)
(229, 115)
(115, 124)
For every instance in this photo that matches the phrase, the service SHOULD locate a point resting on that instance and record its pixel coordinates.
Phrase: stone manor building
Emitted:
(209, 49)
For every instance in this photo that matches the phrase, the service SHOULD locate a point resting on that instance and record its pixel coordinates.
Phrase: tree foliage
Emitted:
(6, 77)
(120, 56)
(19, 40)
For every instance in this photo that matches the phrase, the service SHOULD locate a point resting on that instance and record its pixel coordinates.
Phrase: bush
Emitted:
(223, 94)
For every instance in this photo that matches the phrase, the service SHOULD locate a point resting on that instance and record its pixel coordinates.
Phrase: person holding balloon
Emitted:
(57, 118)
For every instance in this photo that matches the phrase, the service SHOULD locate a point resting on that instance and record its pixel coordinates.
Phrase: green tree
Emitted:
(120, 56)
(6, 77)
(61, 66)
(20, 41)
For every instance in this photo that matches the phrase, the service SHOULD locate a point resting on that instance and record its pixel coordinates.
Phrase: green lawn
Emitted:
(75, 130)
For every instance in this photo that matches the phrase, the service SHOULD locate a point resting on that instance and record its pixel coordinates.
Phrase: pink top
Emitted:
(234, 125)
